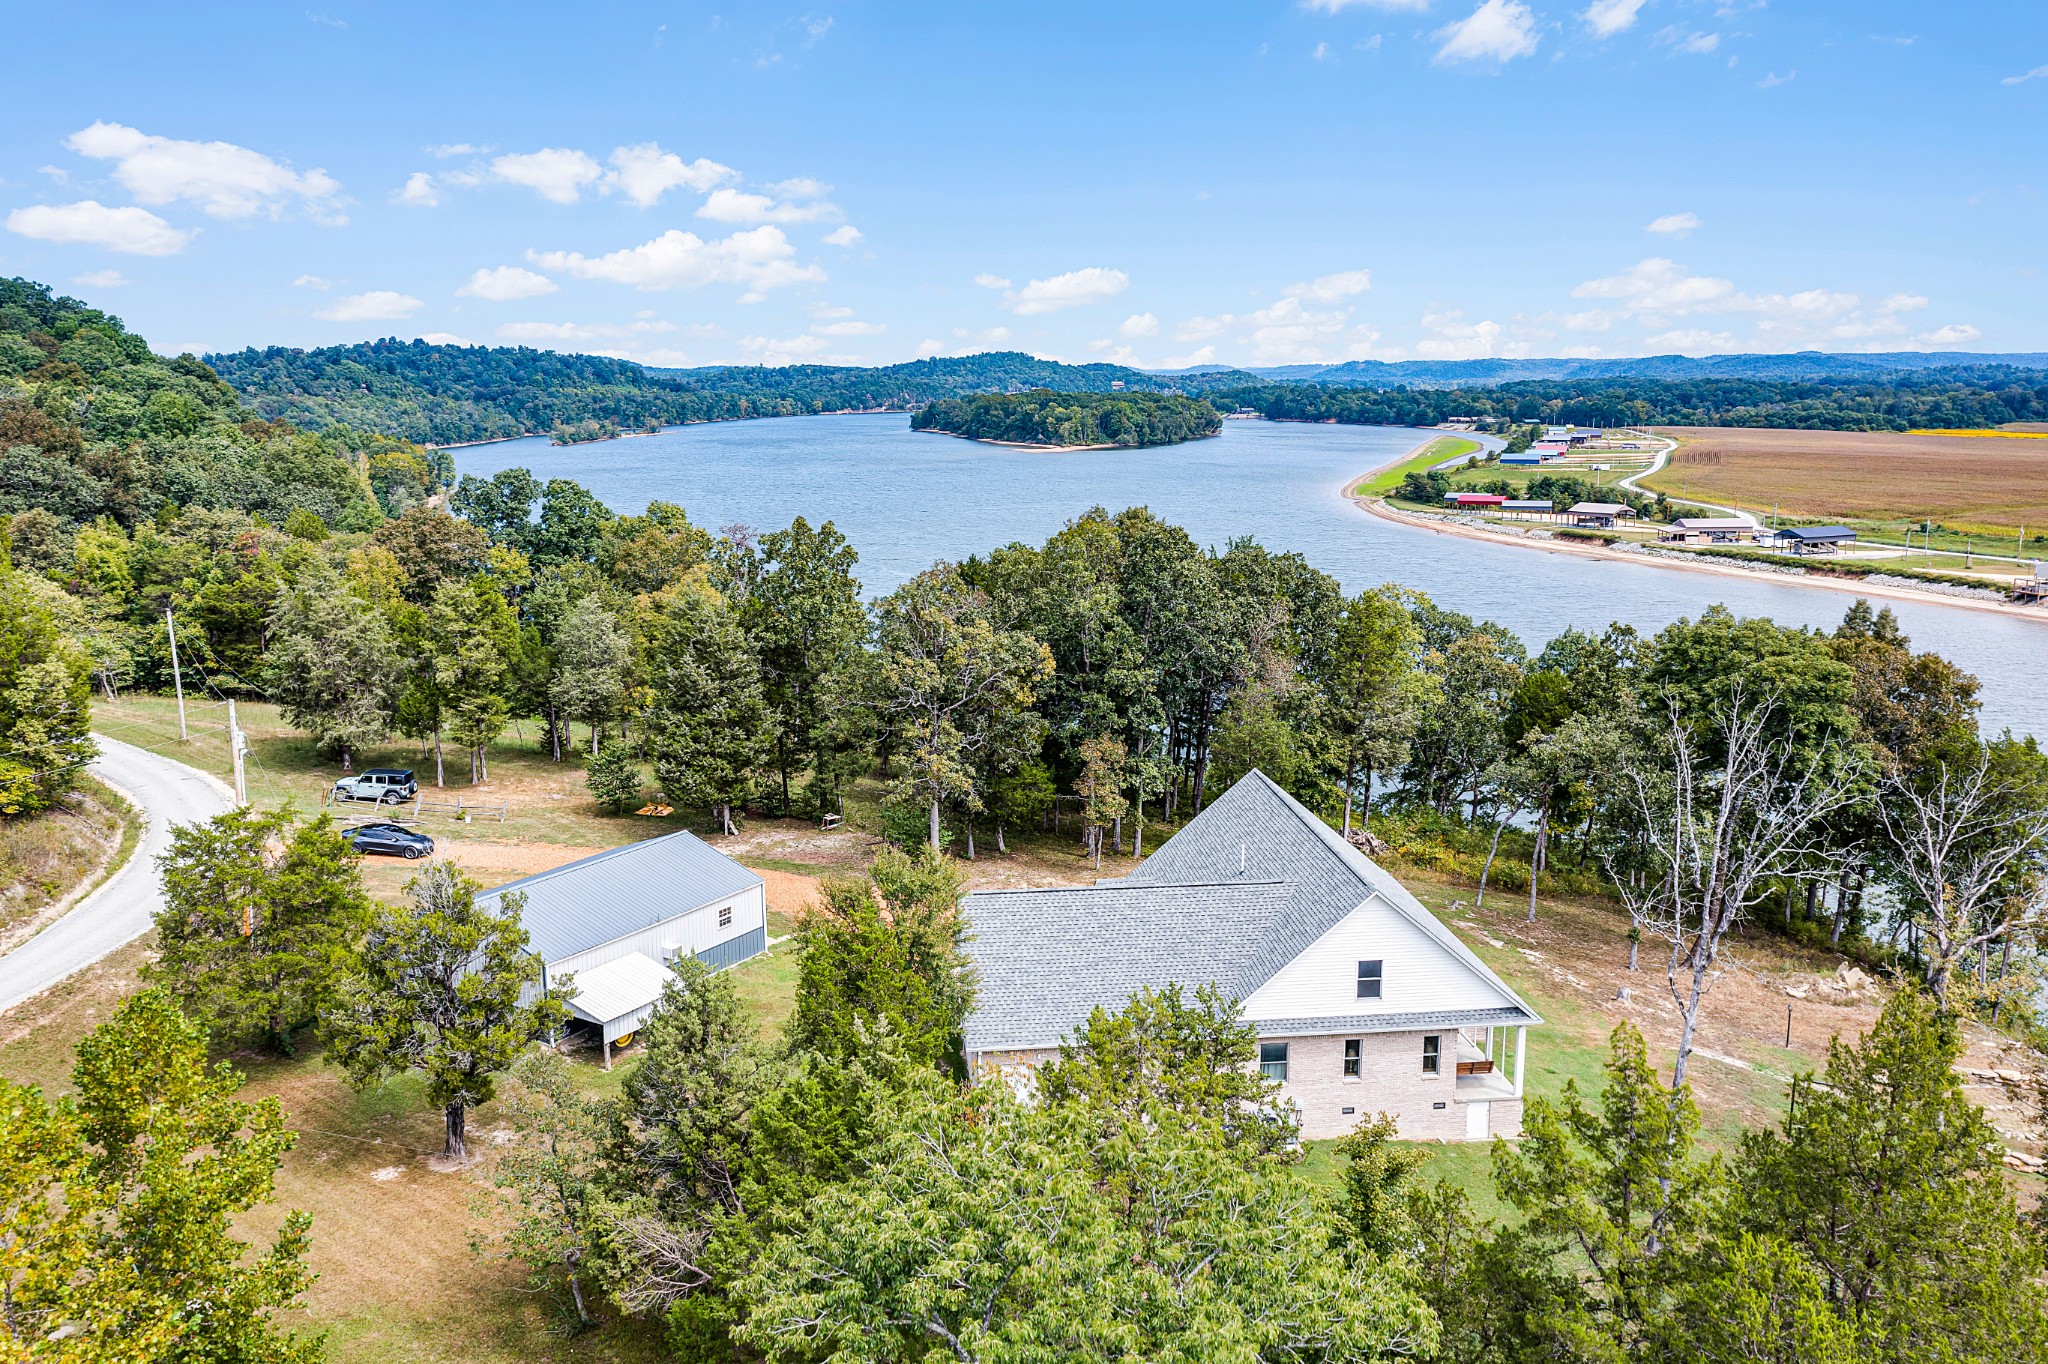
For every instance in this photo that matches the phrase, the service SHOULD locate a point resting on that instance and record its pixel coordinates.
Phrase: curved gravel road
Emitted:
(168, 793)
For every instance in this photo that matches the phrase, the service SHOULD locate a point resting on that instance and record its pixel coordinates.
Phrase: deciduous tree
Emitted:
(438, 989)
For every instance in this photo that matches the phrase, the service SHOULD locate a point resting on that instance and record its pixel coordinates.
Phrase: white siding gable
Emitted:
(692, 932)
(1419, 975)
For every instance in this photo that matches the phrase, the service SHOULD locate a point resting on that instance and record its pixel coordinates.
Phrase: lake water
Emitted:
(906, 499)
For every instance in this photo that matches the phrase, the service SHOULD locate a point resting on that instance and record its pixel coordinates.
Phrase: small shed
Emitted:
(1475, 501)
(1816, 539)
(1708, 530)
(1529, 506)
(1600, 514)
(655, 900)
(617, 997)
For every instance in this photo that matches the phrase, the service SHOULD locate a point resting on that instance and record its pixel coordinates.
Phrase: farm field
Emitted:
(1878, 481)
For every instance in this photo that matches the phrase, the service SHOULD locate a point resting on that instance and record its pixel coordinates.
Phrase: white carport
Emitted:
(618, 995)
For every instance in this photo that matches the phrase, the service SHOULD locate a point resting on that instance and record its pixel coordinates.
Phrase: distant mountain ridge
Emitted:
(1465, 373)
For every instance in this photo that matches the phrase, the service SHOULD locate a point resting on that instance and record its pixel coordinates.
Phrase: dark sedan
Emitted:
(392, 840)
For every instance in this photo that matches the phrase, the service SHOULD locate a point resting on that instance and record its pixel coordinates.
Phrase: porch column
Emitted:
(1521, 1056)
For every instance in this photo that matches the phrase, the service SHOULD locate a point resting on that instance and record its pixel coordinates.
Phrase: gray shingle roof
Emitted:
(1041, 953)
(624, 890)
(1048, 957)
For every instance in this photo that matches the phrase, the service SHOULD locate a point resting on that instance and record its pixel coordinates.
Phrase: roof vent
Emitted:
(1240, 859)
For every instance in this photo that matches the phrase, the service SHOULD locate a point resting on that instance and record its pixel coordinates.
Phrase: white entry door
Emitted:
(1476, 1118)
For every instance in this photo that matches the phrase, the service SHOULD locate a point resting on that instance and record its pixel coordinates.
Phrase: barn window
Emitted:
(1369, 975)
(725, 916)
(1273, 1061)
(1353, 1047)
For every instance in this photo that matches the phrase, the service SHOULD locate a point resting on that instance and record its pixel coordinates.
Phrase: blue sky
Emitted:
(1252, 183)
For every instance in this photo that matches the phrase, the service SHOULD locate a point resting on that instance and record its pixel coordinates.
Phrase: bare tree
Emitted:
(1961, 841)
(1717, 830)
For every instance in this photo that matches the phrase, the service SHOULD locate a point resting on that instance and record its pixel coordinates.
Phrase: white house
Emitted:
(616, 919)
(1363, 1002)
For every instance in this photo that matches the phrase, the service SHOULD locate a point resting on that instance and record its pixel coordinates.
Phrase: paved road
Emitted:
(1663, 458)
(169, 794)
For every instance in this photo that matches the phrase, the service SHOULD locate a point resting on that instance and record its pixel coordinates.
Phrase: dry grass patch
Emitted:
(1983, 485)
(50, 861)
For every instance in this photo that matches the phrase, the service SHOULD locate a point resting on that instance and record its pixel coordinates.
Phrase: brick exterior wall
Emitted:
(1391, 1080)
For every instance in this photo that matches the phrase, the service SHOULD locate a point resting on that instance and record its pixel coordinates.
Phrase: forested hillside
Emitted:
(1042, 417)
(1960, 398)
(449, 394)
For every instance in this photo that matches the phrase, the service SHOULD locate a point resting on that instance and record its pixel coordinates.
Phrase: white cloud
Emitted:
(1656, 291)
(988, 281)
(1954, 334)
(801, 187)
(1113, 353)
(378, 305)
(1333, 288)
(1673, 224)
(758, 260)
(1773, 79)
(995, 338)
(844, 235)
(2038, 73)
(504, 283)
(100, 279)
(645, 172)
(1662, 288)
(446, 339)
(738, 206)
(1498, 31)
(1205, 355)
(1288, 333)
(849, 329)
(1075, 289)
(1451, 337)
(1321, 54)
(1700, 44)
(1609, 17)
(311, 282)
(557, 174)
(582, 331)
(1137, 325)
(224, 180)
(418, 191)
(448, 149)
(133, 231)
(1339, 6)
(1203, 328)
(794, 350)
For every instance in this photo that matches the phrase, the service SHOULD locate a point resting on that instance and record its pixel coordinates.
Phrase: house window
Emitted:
(1432, 1055)
(1353, 1047)
(1369, 980)
(725, 916)
(1273, 1061)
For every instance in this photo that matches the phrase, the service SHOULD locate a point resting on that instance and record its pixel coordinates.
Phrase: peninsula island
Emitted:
(1045, 419)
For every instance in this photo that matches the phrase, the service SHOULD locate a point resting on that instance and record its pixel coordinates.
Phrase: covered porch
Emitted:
(617, 997)
(1491, 1065)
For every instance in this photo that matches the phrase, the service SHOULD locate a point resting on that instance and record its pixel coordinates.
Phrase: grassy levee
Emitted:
(1434, 453)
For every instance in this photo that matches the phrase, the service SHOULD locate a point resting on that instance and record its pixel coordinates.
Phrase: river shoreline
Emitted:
(1860, 587)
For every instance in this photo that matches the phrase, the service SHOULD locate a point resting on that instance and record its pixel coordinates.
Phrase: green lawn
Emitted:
(1434, 453)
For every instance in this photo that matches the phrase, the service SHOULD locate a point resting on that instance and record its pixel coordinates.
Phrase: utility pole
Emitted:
(236, 743)
(177, 677)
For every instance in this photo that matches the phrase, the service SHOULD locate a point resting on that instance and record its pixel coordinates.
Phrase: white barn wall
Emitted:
(1418, 974)
(691, 932)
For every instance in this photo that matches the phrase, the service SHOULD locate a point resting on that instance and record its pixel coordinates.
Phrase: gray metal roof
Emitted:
(1353, 1024)
(1046, 958)
(618, 987)
(1817, 533)
(1040, 952)
(623, 890)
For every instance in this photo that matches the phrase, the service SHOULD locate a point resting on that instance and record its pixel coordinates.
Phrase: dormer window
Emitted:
(1369, 975)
